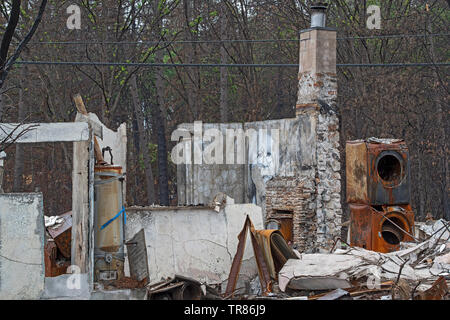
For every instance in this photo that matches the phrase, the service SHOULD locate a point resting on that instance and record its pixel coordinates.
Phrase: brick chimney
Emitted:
(317, 71)
(316, 104)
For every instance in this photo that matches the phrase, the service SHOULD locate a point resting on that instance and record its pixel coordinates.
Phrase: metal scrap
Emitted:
(275, 250)
(177, 288)
(264, 276)
(60, 229)
(137, 256)
(437, 291)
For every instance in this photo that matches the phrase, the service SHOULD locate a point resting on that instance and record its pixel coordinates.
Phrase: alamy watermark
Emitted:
(227, 146)
(374, 19)
(74, 20)
(73, 282)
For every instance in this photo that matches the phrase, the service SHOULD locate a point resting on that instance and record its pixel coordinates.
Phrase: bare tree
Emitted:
(6, 62)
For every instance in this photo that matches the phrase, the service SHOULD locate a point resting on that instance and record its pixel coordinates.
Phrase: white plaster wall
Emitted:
(117, 140)
(22, 269)
(197, 242)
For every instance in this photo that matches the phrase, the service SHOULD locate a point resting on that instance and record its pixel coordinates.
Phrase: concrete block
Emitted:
(22, 269)
(196, 242)
(67, 286)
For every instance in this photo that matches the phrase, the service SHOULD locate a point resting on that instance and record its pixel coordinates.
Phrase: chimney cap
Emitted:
(320, 6)
(318, 15)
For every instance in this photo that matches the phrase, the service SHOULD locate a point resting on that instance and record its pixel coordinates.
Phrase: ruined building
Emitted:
(291, 166)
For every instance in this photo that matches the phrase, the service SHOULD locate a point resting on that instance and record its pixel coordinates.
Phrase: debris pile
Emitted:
(58, 244)
(419, 271)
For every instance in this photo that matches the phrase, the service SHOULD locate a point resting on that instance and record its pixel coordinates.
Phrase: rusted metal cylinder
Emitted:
(188, 291)
(109, 224)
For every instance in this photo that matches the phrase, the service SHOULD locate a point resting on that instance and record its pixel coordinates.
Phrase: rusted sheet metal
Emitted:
(53, 268)
(360, 226)
(437, 291)
(284, 224)
(275, 250)
(356, 171)
(392, 225)
(388, 172)
(264, 276)
(137, 256)
(380, 230)
(109, 224)
(63, 234)
(378, 172)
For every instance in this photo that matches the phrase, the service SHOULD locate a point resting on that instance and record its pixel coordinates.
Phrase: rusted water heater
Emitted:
(378, 194)
(109, 223)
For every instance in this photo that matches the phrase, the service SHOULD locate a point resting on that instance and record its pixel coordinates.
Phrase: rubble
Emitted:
(177, 288)
(418, 271)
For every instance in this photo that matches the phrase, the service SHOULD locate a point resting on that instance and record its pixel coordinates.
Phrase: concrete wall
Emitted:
(22, 267)
(117, 140)
(245, 183)
(199, 183)
(196, 242)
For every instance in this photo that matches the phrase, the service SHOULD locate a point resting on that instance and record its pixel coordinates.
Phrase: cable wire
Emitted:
(212, 65)
(229, 40)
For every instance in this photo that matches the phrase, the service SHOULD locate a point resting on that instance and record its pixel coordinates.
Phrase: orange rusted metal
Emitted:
(378, 193)
(437, 291)
(360, 226)
(378, 173)
(53, 267)
(109, 224)
(264, 276)
(356, 171)
(380, 228)
(275, 249)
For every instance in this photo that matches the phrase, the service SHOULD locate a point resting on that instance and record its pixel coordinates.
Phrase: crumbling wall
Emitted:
(294, 195)
(22, 269)
(317, 96)
(245, 183)
(328, 201)
(196, 242)
(197, 184)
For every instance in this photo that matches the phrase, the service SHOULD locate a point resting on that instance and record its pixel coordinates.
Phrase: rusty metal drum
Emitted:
(109, 223)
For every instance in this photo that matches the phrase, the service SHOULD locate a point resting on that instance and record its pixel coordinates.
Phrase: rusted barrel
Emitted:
(109, 223)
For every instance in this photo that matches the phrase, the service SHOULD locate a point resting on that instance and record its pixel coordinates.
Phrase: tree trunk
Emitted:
(160, 121)
(442, 133)
(1, 108)
(223, 70)
(191, 57)
(143, 141)
(19, 155)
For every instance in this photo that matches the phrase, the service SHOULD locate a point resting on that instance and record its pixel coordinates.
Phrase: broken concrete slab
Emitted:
(45, 132)
(317, 272)
(22, 268)
(195, 242)
(122, 294)
(439, 229)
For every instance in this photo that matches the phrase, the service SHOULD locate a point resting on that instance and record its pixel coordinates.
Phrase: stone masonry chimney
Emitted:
(317, 97)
